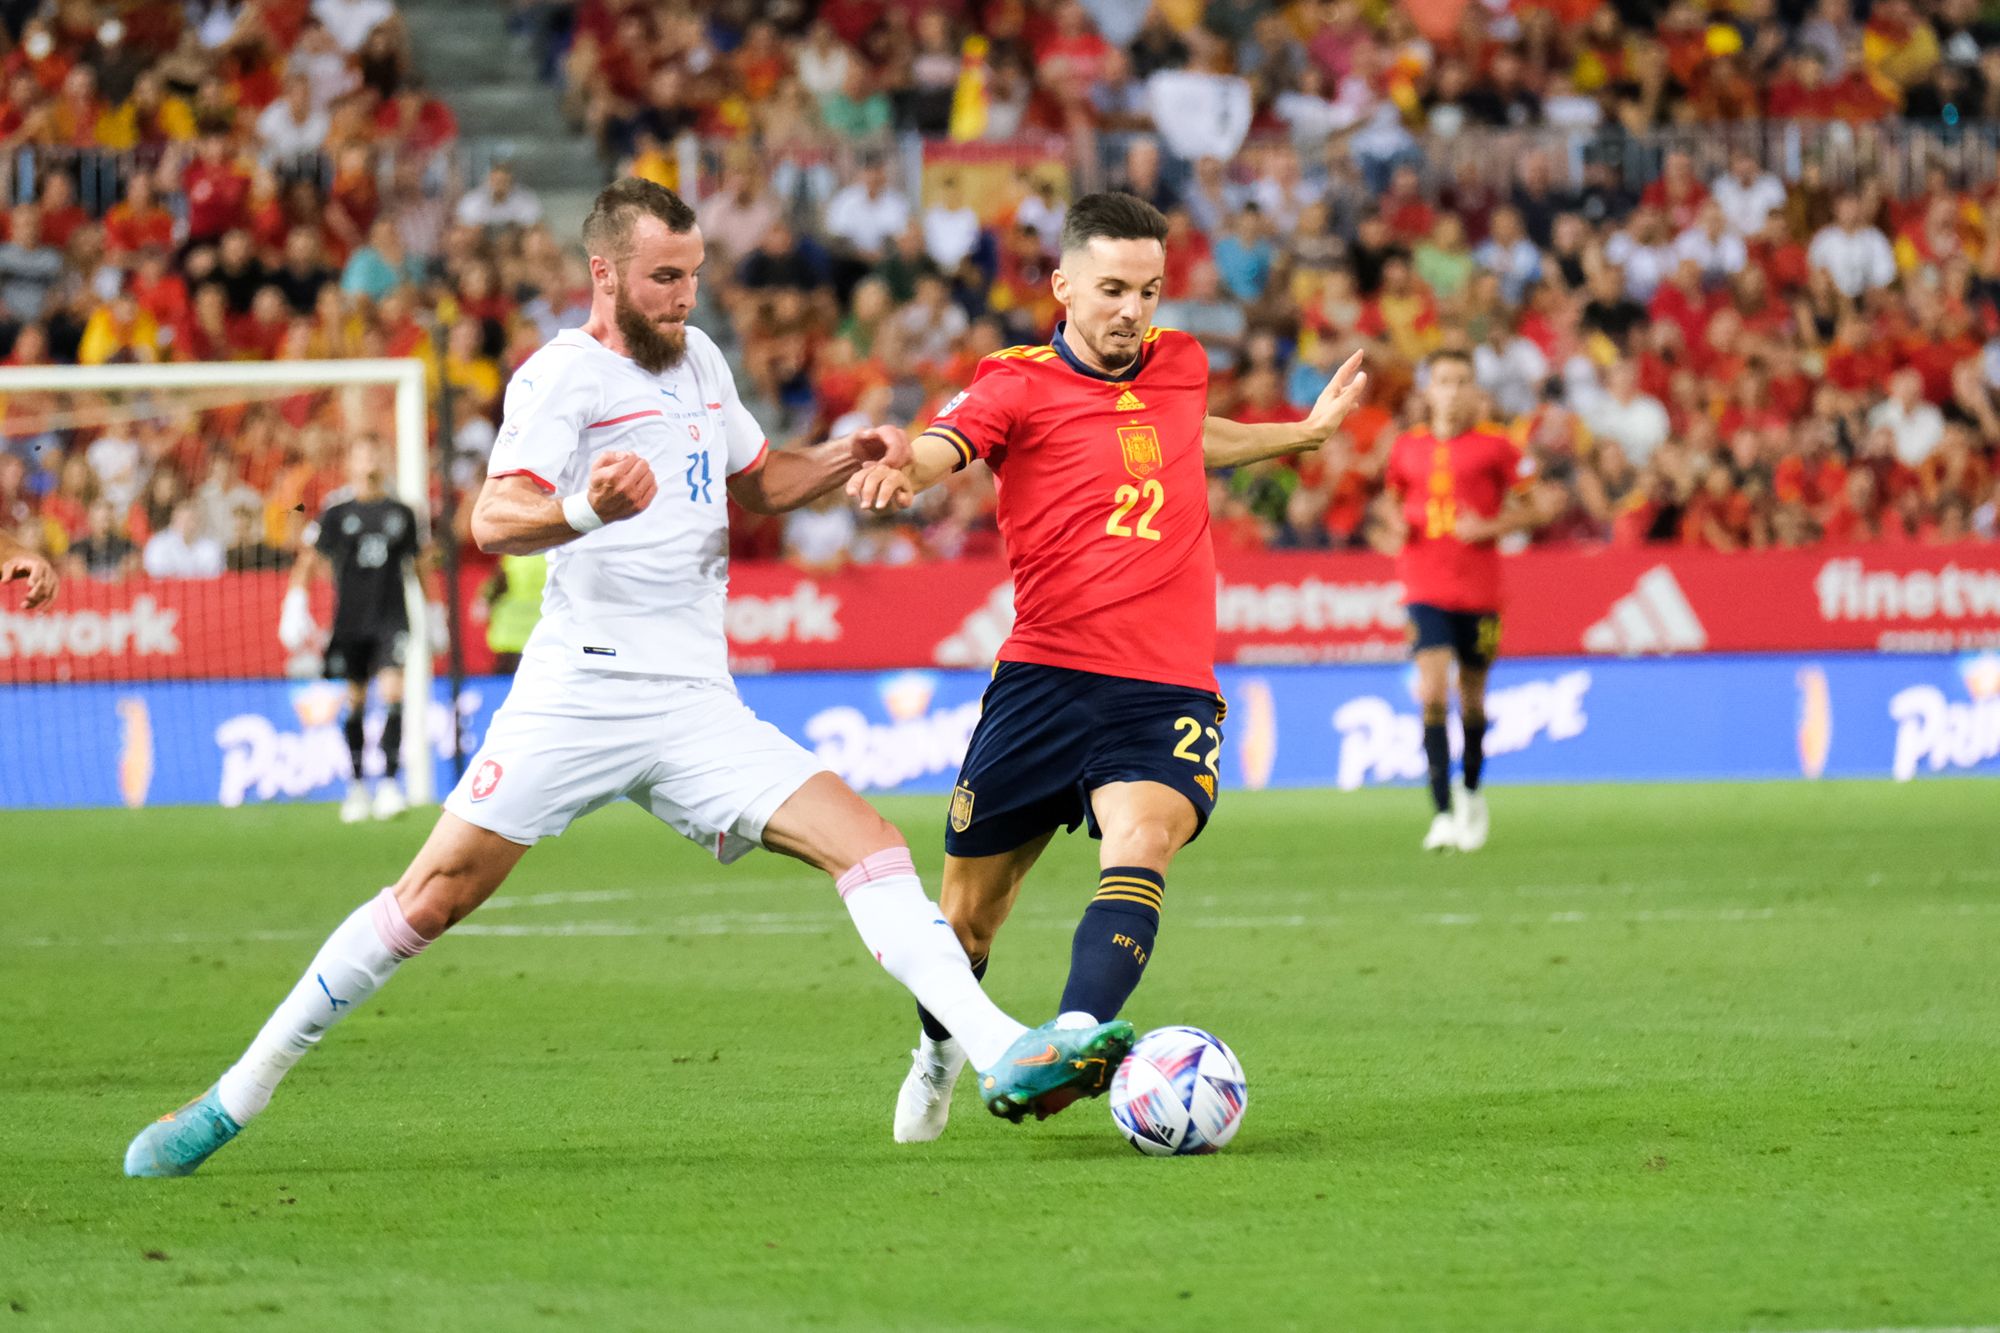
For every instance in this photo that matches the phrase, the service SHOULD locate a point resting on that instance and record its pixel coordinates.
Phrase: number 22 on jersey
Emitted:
(1128, 498)
(1140, 447)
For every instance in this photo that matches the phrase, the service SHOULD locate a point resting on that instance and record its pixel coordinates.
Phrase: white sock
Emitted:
(942, 1059)
(905, 932)
(362, 953)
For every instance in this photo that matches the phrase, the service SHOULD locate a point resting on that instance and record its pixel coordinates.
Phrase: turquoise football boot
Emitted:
(180, 1141)
(1049, 1067)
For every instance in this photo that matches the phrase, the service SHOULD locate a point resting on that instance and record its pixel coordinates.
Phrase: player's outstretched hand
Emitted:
(880, 444)
(1340, 396)
(620, 485)
(40, 574)
(879, 486)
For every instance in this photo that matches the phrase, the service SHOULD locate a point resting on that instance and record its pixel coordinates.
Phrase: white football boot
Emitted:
(354, 806)
(1473, 823)
(1443, 836)
(924, 1102)
(389, 799)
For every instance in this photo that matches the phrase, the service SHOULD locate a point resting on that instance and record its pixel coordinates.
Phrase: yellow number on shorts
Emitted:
(1191, 731)
(1489, 637)
(1127, 498)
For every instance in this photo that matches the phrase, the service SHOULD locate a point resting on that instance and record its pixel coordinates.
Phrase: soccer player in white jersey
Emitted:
(621, 442)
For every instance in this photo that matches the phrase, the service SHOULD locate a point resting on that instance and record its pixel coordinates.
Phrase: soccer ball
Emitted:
(1180, 1092)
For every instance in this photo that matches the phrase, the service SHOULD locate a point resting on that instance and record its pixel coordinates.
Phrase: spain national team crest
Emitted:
(961, 808)
(1141, 447)
(486, 779)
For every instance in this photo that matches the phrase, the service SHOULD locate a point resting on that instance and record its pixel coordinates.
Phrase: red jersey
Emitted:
(1103, 505)
(1438, 480)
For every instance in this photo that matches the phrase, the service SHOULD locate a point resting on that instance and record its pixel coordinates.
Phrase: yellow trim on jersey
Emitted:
(953, 437)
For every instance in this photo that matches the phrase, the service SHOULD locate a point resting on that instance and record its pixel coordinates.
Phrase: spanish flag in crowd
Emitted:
(969, 99)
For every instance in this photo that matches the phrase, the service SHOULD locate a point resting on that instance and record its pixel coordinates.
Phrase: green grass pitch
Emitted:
(1661, 1058)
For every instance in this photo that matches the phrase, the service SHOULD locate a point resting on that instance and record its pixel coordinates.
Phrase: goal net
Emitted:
(172, 500)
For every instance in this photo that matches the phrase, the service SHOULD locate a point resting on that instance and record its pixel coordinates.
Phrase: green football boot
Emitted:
(1049, 1067)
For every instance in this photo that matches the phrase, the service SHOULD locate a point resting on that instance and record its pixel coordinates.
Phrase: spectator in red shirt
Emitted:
(1403, 207)
(138, 221)
(1718, 515)
(62, 215)
(1678, 192)
(1683, 302)
(217, 189)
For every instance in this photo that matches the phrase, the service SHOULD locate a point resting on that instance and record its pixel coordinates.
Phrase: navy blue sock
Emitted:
(1437, 752)
(1475, 749)
(357, 741)
(1113, 941)
(392, 740)
(935, 1030)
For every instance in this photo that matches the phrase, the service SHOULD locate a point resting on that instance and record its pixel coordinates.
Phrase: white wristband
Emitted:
(578, 513)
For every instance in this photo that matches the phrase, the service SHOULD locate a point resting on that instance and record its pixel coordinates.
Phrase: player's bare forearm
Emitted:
(514, 516)
(1519, 512)
(797, 477)
(794, 477)
(1226, 443)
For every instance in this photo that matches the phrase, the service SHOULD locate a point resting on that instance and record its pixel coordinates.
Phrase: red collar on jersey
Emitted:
(1130, 372)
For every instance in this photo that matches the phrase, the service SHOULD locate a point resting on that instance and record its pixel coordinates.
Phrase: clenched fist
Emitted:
(880, 444)
(620, 485)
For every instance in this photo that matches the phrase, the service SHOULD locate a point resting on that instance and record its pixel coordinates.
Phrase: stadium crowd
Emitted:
(1720, 357)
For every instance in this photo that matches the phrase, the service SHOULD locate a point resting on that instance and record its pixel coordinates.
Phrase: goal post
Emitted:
(137, 392)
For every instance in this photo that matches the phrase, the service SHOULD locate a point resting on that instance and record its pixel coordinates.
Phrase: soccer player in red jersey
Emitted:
(1103, 706)
(1460, 490)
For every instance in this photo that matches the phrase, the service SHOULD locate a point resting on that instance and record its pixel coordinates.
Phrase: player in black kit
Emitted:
(367, 540)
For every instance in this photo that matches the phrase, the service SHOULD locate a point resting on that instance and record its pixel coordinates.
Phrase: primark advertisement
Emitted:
(1554, 720)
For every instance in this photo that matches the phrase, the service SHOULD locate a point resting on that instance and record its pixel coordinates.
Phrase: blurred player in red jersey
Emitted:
(1103, 707)
(18, 562)
(1460, 489)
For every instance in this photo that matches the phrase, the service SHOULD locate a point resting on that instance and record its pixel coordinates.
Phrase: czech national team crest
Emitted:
(961, 808)
(1141, 447)
(486, 779)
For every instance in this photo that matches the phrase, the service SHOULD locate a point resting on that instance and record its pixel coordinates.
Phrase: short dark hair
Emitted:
(607, 232)
(1457, 354)
(1115, 216)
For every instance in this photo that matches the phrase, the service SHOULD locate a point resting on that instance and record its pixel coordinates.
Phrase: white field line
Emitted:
(506, 900)
(821, 923)
(1919, 1328)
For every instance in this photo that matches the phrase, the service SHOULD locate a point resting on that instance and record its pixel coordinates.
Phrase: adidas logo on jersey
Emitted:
(1654, 617)
(1129, 402)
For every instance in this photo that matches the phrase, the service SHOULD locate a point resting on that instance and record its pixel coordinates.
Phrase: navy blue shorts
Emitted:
(1049, 736)
(1472, 636)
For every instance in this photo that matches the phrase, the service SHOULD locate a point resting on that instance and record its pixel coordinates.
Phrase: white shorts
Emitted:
(690, 752)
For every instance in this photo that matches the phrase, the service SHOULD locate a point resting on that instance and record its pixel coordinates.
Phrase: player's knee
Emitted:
(436, 896)
(1150, 840)
(975, 935)
(871, 835)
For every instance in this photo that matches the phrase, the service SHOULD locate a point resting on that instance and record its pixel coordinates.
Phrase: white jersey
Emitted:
(644, 596)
